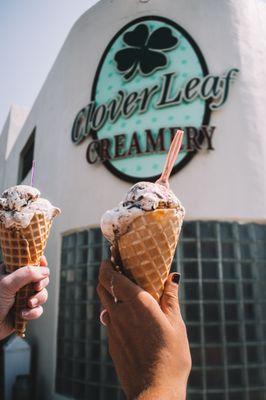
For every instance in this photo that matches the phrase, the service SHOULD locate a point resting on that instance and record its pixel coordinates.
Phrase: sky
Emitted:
(31, 35)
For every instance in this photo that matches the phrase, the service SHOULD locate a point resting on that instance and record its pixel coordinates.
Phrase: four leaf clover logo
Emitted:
(145, 51)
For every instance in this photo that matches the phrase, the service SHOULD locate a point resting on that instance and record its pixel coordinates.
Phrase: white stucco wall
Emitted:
(226, 184)
(9, 134)
(17, 117)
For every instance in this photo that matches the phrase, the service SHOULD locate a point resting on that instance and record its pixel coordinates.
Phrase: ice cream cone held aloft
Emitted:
(25, 222)
(144, 229)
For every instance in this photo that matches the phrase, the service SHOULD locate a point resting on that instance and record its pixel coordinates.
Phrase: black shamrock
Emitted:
(145, 50)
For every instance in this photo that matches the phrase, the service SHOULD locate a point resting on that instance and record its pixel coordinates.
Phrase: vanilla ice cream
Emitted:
(141, 198)
(18, 204)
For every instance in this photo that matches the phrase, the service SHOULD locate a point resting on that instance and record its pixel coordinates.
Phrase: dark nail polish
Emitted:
(176, 278)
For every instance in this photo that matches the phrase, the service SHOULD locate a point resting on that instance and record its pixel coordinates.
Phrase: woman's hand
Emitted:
(11, 283)
(147, 342)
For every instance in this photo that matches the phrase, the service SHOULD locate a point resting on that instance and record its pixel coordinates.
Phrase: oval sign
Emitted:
(146, 65)
(151, 80)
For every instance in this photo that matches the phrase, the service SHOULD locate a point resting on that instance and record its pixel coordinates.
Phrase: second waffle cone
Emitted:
(147, 249)
(22, 247)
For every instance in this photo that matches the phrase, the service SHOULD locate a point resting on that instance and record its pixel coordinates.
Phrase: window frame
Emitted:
(29, 144)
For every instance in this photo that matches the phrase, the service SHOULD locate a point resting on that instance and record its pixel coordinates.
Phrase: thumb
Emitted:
(118, 285)
(169, 300)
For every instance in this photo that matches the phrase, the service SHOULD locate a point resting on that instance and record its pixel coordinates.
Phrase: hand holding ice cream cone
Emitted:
(25, 222)
(11, 284)
(147, 341)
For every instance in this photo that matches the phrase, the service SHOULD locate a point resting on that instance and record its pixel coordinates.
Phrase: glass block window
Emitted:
(223, 300)
(84, 368)
(223, 294)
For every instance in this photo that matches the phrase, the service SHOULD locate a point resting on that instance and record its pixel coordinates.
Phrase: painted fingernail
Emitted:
(176, 278)
(33, 302)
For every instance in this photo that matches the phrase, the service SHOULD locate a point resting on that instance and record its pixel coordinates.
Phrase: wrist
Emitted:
(176, 391)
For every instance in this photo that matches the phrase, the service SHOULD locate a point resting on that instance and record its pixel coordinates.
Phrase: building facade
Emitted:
(128, 75)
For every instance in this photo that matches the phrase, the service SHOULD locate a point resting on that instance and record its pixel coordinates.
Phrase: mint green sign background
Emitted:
(184, 61)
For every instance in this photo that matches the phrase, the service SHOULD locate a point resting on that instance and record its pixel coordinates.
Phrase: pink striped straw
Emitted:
(171, 158)
(33, 172)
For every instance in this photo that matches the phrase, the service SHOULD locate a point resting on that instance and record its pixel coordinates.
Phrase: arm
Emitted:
(147, 341)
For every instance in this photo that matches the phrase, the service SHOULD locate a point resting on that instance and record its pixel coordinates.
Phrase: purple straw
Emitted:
(32, 172)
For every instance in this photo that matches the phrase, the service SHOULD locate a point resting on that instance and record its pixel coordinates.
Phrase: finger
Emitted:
(16, 280)
(106, 298)
(43, 261)
(38, 299)
(104, 317)
(41, 284)
(115, 282)
(169, 300)
(33, 313)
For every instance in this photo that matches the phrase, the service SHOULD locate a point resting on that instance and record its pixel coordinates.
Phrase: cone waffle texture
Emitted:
(147, 250)
(22, 247)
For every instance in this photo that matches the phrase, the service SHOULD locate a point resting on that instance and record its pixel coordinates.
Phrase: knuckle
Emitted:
(4, 284)
(183, 326)
(170, 301)
(29, 271)
(29, 315)
(144, 298)
(99, 289)
(45, 283)
(171, 296)
(45, 295)
(32, 314)
(187, 362)
(101, 273)
(105, 276)
(37, 312)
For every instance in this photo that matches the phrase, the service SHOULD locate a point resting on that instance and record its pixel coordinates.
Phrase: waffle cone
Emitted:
(147, 250)
(22, 247)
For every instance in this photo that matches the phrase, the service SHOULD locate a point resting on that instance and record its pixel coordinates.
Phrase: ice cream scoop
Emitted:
(14, 198)
(141, 197)
(149, 196)
(18, 204)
